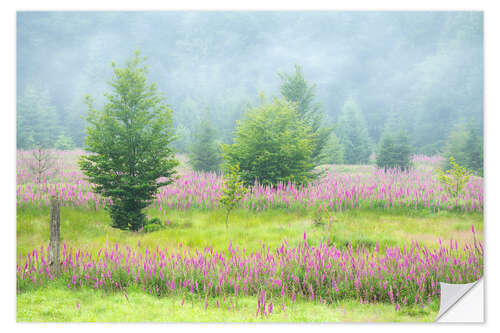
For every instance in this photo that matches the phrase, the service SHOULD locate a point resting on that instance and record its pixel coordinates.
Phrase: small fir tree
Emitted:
(454, 179)
(333, 152)
(466, 147)
(205, 155)
(353, 134)
(64, 142)
(474, 151)
(455, 145)
(41, 162)
(37, 122)
(394, 151)
(233, 191)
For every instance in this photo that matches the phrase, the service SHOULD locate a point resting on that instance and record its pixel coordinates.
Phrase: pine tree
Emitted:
(36, 119)
(333, 152)
(394, 151)
(353, 134)
(455, 145)
(204, 154)
(466, 147)
(474, 151)
(64, 142)
(294, 88)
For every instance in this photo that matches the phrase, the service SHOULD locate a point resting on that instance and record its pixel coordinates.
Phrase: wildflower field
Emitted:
(357, 244)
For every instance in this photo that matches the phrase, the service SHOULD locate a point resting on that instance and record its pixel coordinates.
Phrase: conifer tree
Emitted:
(465, 146)
(394, 151)
(294, 88)
(353, 134)
(204, 154)
(474, 151)
(36, 119)
(333, 152)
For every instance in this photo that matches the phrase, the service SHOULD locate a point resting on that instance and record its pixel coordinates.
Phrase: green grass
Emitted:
(89, 230)
(56, 304)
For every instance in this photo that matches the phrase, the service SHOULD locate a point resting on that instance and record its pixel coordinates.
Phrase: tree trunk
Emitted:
(55, 236)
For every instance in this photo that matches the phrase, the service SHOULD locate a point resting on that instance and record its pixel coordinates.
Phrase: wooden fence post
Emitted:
(55, 236)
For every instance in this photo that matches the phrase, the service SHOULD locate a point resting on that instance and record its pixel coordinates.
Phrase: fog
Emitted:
(424, 67)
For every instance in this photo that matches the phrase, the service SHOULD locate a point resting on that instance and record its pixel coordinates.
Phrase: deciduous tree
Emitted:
(129, 145)
(272, 144)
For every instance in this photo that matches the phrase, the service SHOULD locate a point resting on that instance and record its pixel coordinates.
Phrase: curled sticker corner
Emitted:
(451, 295)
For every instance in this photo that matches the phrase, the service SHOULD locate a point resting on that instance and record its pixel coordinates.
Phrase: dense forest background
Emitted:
(424, 69)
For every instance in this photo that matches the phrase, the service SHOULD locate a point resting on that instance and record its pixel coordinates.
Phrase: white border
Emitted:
(7, 123)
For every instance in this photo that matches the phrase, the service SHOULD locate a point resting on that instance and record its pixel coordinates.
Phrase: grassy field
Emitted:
(90, 230)
(59, 304)
(197, 229)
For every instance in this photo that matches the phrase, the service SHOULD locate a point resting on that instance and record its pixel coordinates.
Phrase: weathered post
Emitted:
(55, 236)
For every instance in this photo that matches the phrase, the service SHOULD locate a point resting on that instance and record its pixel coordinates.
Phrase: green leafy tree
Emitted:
(233, 190)
(394, 151)
(295, 88)
(454, 179)
(129, 144)
(353, 134)
(271, 145)
(204, 154)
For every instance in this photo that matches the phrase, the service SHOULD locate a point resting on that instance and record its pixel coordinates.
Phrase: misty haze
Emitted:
(426, 67)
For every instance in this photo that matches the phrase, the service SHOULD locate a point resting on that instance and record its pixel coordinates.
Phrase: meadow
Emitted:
(357, 244)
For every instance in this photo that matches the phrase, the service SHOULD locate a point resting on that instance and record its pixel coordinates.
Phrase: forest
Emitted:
(424, 69)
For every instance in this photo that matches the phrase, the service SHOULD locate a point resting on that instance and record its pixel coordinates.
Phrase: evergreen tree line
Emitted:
(346, 142)
(38, 124)
(425, 67)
